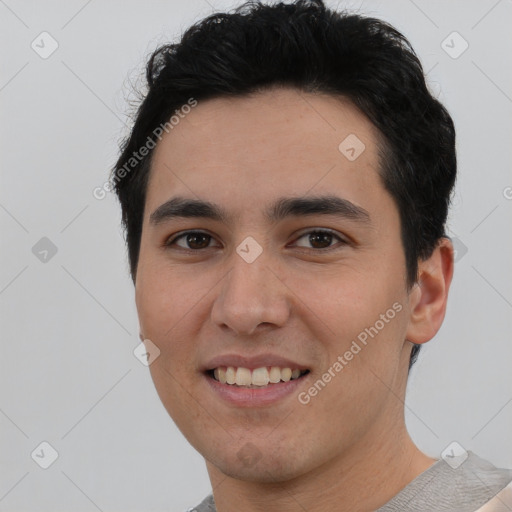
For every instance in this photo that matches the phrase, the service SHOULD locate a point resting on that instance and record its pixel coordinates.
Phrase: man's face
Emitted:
(212, 300)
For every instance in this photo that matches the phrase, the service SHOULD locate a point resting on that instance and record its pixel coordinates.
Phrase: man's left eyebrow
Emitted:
(282, 208)
(314, 205)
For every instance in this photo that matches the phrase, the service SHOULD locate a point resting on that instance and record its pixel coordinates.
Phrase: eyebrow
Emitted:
(180, 207)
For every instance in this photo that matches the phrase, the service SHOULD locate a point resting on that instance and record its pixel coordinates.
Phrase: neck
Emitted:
(360, 480)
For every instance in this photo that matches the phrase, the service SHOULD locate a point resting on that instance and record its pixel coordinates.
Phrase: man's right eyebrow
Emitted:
(187, 208)
(180, 207)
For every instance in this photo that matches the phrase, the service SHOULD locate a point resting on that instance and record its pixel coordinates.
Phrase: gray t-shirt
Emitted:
(440, 488)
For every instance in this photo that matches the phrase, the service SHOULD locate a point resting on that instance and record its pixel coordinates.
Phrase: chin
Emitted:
(260, 473)
(252, 465)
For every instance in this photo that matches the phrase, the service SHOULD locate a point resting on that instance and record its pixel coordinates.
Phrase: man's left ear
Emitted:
(429, 296)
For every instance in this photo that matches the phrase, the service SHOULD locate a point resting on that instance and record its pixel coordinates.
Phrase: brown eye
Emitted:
(193, 240)
(320, 239)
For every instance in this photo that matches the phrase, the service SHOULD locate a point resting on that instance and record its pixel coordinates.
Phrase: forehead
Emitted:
(243, 151)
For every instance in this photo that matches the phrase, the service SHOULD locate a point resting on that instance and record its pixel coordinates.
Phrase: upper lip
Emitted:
(252, 362)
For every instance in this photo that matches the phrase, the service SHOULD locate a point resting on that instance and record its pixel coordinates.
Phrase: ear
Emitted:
(429, 296)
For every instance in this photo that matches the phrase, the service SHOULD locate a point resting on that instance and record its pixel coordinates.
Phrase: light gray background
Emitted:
(69, 327)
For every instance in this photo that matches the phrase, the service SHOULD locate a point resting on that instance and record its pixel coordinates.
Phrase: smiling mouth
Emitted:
(258, 378)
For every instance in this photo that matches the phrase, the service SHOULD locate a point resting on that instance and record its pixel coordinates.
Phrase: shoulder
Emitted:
(502, 502)
(448, 485)
(475, 480)
(480, 473)
(207, 505)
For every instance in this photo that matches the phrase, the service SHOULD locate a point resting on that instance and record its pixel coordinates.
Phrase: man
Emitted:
(285, 190)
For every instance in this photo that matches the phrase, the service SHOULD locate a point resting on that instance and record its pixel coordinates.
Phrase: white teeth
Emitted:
(258, 377)
(243, 377)
(286, 374)
(222, 375)
(275, 374)
(230, 375)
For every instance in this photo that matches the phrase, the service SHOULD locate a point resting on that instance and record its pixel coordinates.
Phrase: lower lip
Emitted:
(255, 397)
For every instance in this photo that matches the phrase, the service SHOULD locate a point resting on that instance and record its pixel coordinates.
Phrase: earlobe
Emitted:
(429, 296)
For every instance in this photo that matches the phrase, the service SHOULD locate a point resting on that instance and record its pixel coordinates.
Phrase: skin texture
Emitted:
(348, 448)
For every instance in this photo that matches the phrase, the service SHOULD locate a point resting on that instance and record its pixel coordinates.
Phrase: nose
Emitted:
(251, 295)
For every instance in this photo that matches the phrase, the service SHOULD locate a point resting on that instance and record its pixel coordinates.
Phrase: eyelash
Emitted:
(170, 242)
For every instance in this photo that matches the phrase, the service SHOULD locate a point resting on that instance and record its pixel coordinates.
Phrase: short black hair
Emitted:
(307, 46)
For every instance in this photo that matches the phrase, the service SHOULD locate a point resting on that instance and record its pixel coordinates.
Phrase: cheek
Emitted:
(345, 302)
(163, 298)
(172, 309)
(165, 317)
(366, 321)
